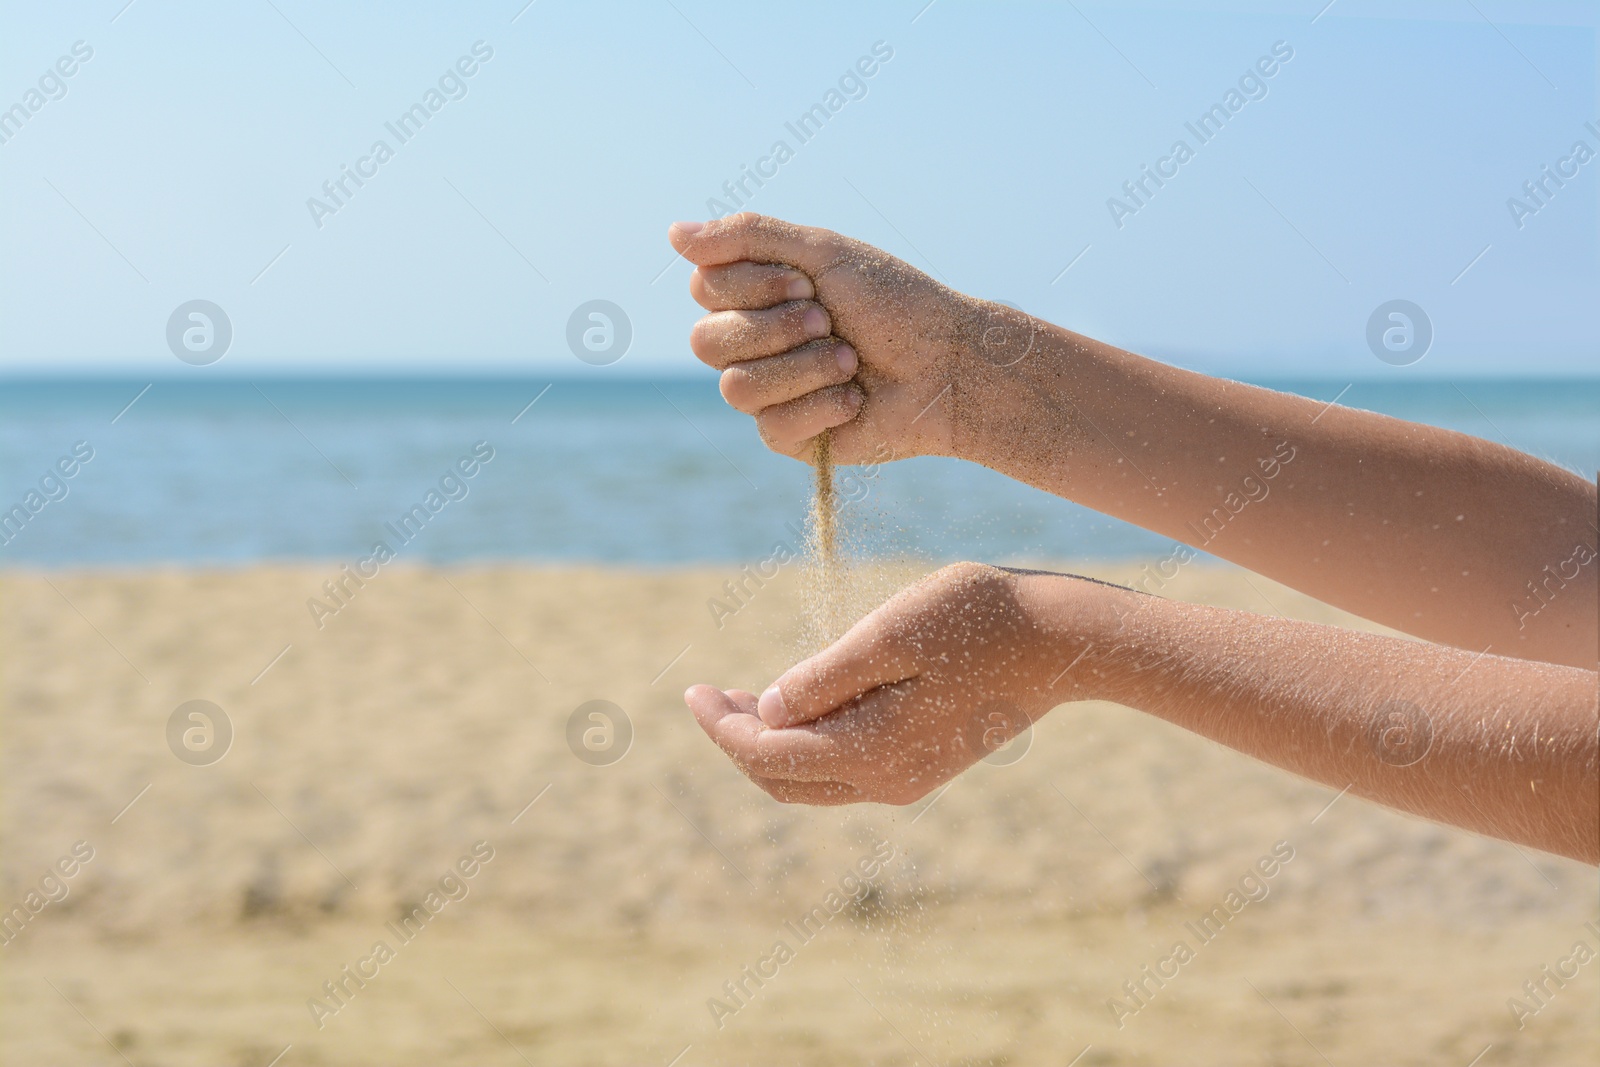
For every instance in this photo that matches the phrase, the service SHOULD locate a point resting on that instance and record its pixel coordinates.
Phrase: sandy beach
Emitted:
(423, 730)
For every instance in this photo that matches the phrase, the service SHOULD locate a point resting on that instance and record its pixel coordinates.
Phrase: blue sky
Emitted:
(178, 163)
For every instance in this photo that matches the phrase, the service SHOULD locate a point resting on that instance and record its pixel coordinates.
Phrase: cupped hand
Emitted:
(941, 675)
(815, 331)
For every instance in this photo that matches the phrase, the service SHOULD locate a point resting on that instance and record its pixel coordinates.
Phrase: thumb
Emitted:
(870, 655)
(757, 238)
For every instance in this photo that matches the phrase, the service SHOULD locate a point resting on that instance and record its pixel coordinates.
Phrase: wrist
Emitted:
(1092, 636)
(1008, 384)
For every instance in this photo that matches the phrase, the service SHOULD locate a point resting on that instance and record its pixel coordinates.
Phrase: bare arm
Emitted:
(1501, 746)
(1435, 533)
(930, 682)
(1441, 535)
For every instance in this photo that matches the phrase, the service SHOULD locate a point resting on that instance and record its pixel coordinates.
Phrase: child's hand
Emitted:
(813, 331)
(928, 684)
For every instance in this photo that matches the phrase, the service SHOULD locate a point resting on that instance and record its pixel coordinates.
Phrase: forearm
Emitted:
(1501, 746)
(1429, 531)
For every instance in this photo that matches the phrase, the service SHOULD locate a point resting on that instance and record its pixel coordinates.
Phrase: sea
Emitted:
(636, 472)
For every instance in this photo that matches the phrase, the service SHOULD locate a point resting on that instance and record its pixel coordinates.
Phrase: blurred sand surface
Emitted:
(429, 712)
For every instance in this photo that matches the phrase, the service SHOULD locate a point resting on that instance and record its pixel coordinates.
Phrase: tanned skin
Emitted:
(1491, 722)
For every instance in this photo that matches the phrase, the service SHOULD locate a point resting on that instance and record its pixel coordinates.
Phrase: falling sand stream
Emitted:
(826, 588)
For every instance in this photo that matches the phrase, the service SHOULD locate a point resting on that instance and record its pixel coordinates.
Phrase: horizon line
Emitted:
(467, 377)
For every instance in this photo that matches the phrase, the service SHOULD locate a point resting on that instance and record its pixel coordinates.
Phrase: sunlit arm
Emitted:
(1436, 533)
(1502, 746)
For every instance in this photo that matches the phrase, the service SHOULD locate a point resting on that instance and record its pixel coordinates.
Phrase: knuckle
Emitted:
(820, 360)
(745, 224)
(967, 572)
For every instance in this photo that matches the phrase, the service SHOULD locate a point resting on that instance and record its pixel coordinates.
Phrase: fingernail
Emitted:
(771, 708)
(686, 693)
(800, 288)
(847, 358)
(690, 228)
(816, 322)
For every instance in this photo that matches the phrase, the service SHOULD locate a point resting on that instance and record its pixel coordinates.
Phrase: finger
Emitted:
(801, 754)
(725, 337)
(748, 285)
(789, 427)
(872, 654)
(758, 238)
(758, 384)
(817, 794)
(733, 728)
